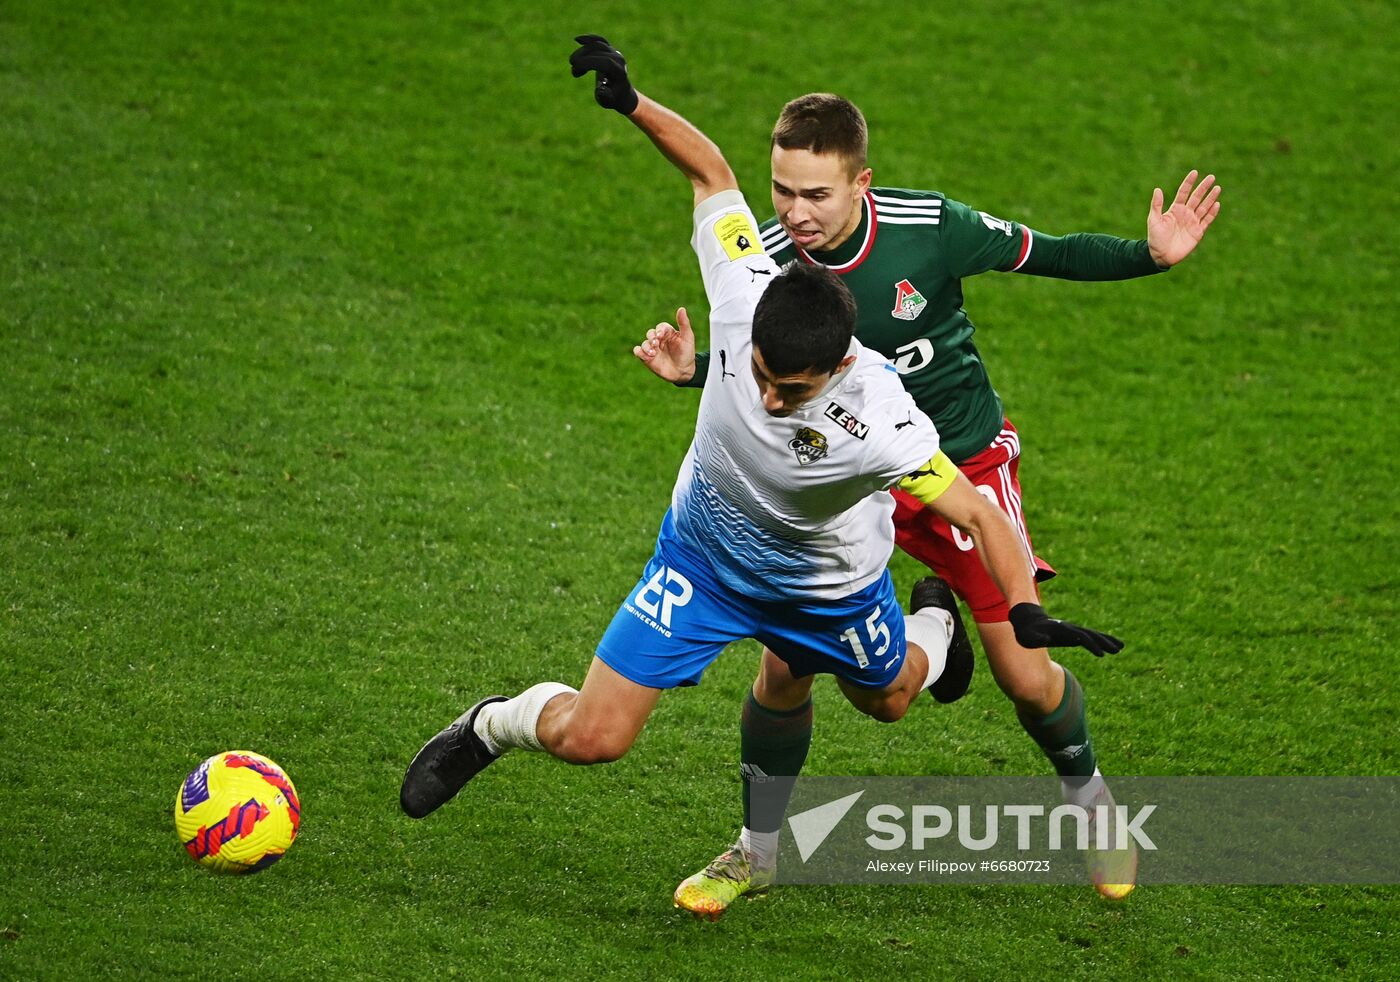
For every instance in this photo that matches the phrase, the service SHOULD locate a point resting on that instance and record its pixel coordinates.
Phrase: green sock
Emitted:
(1064, 734)
(773, 748)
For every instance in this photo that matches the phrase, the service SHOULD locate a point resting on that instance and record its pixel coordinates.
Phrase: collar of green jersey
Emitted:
(851, 248)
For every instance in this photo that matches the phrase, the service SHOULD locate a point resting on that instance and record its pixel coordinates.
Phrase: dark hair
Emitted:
(804, 320)
(823, 123)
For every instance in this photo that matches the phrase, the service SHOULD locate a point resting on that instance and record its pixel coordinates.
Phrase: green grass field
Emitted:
(319, 421)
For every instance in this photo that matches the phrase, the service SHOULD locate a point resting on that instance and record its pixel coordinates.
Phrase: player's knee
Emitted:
(1031, 690)
(781, 693)
(593, 745)
(888, 710)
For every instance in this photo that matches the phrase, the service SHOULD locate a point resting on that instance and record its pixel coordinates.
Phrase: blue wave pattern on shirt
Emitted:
(746, 558)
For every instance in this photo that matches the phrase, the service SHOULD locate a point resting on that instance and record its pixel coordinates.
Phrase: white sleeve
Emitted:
(733, 265)
(903, 448)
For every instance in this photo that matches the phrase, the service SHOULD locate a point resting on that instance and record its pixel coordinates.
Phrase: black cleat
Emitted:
(446, 763)
(952, 685)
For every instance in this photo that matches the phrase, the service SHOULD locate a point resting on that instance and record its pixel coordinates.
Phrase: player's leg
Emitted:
(775, 732)
(863, 640)
(889, 703)
(937, 655)
(665, 634)
(1049, 701)
(1047, 697)
(595, 725)
(592, 725)
(881, 659)
(938, 658)
(668, 630)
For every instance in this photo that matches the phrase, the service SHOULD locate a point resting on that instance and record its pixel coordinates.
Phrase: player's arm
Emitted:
(696, 156)
(977, 242)
(1087, 256)
(942, 487)
(1172, 235)
(692, 152)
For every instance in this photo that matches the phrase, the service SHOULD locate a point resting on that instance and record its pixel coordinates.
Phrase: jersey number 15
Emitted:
(876, 633)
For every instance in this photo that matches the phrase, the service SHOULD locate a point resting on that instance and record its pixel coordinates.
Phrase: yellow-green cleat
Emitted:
(1114, 871)
(729, 876)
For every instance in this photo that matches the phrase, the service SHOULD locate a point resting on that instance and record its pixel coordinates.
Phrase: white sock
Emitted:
(503, 725)
(931, 629)
(1082, 791)
(760, 847)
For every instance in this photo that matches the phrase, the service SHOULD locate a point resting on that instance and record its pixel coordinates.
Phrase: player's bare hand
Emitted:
(1173, 234)
(670, 351)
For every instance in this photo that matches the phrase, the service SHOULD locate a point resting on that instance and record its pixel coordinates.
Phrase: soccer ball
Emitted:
(237, 812)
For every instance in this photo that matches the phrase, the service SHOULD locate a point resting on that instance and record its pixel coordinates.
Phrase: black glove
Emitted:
(1036, 629)
(613, 90)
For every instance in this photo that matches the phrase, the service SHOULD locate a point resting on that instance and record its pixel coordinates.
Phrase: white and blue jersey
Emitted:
(780, 527)
(789, 507)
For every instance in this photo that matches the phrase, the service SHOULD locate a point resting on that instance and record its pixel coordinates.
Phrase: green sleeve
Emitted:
(1088, 256)
(702, 369)
(975, 242)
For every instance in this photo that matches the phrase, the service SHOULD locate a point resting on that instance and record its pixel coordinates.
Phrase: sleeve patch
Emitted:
(736, 233)
(996, 224)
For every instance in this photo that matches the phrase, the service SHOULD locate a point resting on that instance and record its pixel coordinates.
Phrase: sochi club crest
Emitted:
(809, 445)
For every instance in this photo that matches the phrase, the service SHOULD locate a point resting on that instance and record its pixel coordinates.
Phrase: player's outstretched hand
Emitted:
(1036, 629)
(612, 88)
(670, 351)
(1174, 233)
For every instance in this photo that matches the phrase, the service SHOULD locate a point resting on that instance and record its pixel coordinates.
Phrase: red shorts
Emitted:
(947, 551)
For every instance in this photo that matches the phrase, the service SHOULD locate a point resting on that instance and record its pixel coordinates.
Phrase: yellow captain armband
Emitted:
(932, 479)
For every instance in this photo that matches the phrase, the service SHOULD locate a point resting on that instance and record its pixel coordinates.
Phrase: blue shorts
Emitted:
(679, 617)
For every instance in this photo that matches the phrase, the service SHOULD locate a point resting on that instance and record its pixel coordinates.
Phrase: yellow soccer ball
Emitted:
(237, 812)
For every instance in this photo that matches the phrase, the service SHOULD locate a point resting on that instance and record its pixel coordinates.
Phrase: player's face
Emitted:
(784, 395)
(817, 197)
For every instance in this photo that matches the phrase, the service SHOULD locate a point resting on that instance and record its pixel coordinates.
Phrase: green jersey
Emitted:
(905, 262)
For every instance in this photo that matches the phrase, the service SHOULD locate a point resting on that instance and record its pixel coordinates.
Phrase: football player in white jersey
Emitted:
(824, 139)
(779, 527)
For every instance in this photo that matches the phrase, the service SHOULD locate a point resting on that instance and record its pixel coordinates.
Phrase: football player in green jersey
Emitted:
(903, 254)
